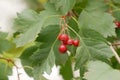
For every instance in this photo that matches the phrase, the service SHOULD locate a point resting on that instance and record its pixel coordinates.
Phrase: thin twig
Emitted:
(116, 44)
(115, 53)
(11, 61)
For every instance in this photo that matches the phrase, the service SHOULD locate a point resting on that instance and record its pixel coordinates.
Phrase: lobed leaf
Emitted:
(93, 47)
(32, 23)
(42, 57)
(94, 16)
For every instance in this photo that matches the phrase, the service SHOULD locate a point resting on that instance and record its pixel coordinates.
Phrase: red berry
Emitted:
(70, 42)
(63, 37)
(117, 24)
(76, 43)
(64, 42)
(62, 48)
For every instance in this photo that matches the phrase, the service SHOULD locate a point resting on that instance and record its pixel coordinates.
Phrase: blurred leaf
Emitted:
(114, 61)
(61, 5)
(25, 20)
(34, 5)
(42, 1)
(101, 71)
(27, 61)
(5, 45)
(117, 1)
(3, 34)
(15, 52)
(96, 5)
(5, 70)
(116, 14)
(118, 32)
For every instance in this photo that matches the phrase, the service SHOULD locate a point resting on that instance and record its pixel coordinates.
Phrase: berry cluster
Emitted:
(64, 38)
(117, 23)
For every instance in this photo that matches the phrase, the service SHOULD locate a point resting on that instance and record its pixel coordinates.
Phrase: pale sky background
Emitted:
(8, 10)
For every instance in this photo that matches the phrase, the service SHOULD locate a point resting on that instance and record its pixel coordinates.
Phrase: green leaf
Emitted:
(117, 1)
(95, 17)
(114, 62)
(32, 23)
(116, 12)
(5, 70)
(63, 5)
(46, 66)
(79, 6)
(118, 33)
(96, 5)
(26, 61)
(43, 58)
(5, 45)
(25, 20)
(60, 58)
(93, 46)
(98, 21)
(3, 34)
(46, 37)
(66, 70)
(73, 25)
(98, 70)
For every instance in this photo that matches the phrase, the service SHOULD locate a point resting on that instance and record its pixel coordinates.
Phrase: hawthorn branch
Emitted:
(115, 44)
(11, 61)
(115, 53)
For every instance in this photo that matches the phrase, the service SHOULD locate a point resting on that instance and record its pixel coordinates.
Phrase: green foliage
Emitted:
(35, 41)
(67, 68)
(61, 5)
(86, 53)
(116, 1)
(46, 64)
(100, 71)
(4, 43)
(3, 35)
(101, 20)
(27, 62)
(45, 55)
(5, 70)
(33, 22)
(95, 17)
